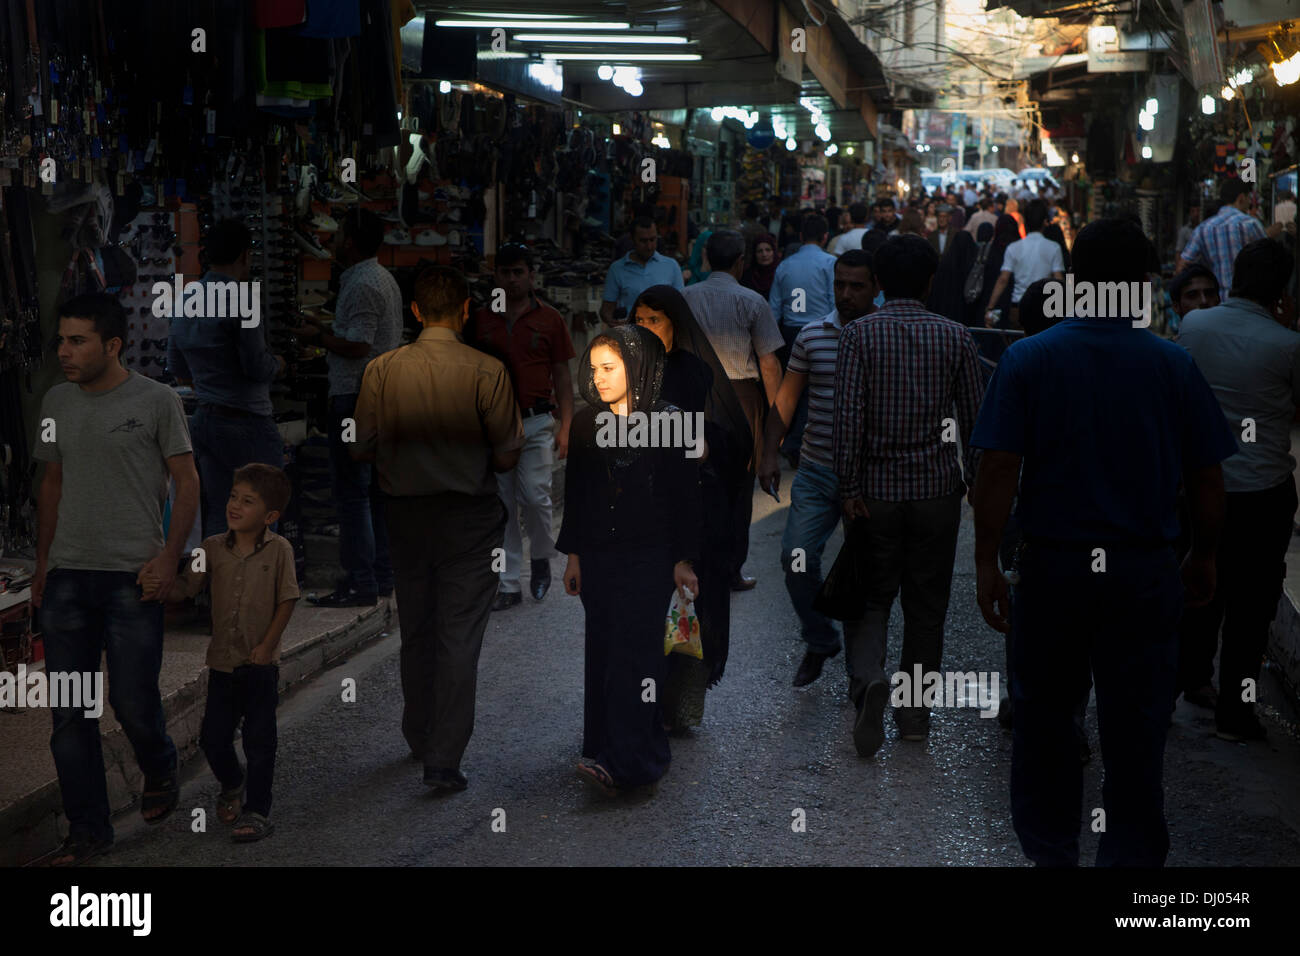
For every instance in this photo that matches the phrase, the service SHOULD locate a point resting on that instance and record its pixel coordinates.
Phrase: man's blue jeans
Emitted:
(1123, 624)
(363, 537)
(223, 443)
(83, 614)
(814, 512)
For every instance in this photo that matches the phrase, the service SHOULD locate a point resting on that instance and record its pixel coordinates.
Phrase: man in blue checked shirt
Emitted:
(637, 271)
(1216, 242)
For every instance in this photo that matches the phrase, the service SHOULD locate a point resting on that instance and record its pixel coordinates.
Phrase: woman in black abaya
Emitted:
(631, 530)
(695, 381)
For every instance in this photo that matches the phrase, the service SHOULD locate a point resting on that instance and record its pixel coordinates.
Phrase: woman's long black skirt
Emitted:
(625, 595)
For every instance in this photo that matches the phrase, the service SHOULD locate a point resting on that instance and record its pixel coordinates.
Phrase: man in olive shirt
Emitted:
(439, 418)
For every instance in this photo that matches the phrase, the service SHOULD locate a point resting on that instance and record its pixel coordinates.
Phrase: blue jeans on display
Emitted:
(814, 512)
(83, 614)
(1123, 625)
(223, 443)
(794, 436)
(363, 537)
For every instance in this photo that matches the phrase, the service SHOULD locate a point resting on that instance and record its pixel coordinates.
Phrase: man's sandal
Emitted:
(160, 793)
(76, 851)
(251, 827)
(229, 805)
(598, 776)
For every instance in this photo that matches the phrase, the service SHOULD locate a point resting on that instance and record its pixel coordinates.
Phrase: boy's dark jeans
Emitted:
(83, 614)
(250, 693)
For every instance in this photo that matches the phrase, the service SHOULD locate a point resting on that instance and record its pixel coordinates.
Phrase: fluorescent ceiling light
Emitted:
(628, 58)
(533, 24)
(524, 16)
(502, 55)
(579, 38)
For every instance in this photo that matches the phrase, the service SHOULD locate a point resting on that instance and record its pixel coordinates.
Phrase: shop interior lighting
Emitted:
(791, 145)
(618, 130)
(1287, 71)
(629, 58)
(1207, 104)
(605, 72)
(549, 74)
(1146, 152)
(1227, 92)
(502, 55)
(848, 151)
(1146, 120)
(486, 24)
(1074, 157)
(596, 38)
(831, 150)
(1153, 106)
(490, 15)
(659, 139)
(995, 149)
(823, 132)
(444, 87)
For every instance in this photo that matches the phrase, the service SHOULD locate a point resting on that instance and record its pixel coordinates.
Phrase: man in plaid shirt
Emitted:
(1216, 242)
(908, 389)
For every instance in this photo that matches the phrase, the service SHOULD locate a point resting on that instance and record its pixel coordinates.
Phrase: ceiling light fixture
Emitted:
(1146, 152)
(579, 38)
(1207, 104)
(532, 25)
(628, 58)
(791, 145)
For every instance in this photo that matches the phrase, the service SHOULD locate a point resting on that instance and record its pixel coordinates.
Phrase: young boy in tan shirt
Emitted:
(254, 588)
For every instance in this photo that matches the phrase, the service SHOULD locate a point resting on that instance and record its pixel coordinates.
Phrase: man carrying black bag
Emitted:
(908, 389)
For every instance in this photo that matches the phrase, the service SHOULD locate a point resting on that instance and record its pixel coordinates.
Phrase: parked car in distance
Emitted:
(1038, 176)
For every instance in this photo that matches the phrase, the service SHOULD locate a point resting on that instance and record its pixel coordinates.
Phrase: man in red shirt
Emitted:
(533, 342)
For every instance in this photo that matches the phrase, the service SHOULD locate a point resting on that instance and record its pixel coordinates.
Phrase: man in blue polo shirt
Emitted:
(637, 271)
(1095, 422)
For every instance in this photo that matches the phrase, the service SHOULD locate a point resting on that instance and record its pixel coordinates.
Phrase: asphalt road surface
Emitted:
(347, 793)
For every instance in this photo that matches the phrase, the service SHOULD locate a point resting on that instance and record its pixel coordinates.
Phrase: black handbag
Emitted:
(843, 595)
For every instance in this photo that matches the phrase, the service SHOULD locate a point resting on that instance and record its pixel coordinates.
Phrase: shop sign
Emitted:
(1100, 61)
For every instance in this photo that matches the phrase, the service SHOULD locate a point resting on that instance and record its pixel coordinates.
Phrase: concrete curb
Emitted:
(33, 825)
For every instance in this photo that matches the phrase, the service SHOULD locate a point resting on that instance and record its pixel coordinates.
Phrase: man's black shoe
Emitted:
(541, 579)
(1248, 728)
(349, 597)
(742, 582)
(810, 668)
(869, 728)
(507, 599)
(914, 728)
(444, 779)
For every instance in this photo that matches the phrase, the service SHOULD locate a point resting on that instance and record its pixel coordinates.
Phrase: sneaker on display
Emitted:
(309, 245)
(453, 237)
(398, 237)
(323, 223)
(430, 237)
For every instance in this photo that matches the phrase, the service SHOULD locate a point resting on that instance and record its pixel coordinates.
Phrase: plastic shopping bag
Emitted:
(682, 628)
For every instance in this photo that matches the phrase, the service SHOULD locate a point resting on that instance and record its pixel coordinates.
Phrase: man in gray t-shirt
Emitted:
(110, 439)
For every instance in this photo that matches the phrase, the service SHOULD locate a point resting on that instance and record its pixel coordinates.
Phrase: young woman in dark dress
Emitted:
(695, 380)
(631, 530)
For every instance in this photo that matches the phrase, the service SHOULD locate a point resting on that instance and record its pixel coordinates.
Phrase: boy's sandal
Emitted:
(75, 851)
(599, 777)
(229, 805)
(160, 793)
(251, 827)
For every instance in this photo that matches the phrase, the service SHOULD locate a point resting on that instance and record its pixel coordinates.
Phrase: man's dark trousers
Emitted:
(1123, 624)
(224, 440)
(83, 615)
(910, 548)
(1251, 564)
(363, 539)
(443, 570)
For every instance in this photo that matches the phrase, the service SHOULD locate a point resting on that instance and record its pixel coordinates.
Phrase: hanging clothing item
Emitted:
(292, 66)
(332, 19)
(268, 14)
(379, 85)
(402, 13)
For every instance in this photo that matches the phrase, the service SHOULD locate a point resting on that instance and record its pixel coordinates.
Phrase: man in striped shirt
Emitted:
(907, 390)
(814, 495)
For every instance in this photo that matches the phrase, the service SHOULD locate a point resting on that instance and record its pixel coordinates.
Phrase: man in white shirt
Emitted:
(1026, 261)
(969, 197)
(852, 239)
